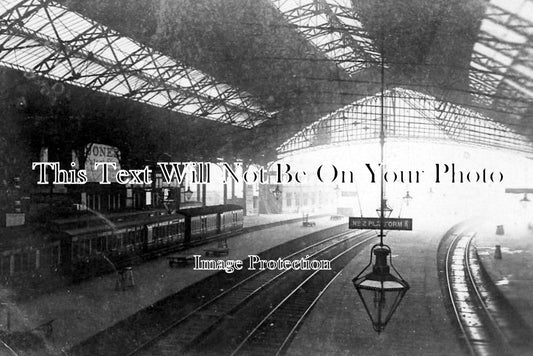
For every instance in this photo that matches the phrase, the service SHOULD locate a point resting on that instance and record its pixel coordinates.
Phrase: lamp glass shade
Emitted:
(524, 201)
(387, 210)
(380, 291)
(407, 198)
(277, 192)
(188, 193)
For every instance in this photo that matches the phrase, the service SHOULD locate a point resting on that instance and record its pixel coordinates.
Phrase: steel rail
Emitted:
(212, 301)
(286, 300)
(483, 337)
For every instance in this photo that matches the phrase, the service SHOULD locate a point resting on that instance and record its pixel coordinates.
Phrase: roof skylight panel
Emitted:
(513, 6)
(90, 71)
(482, 86)
(287, 5)
(240, 117)
(60, 70)
(122, 49)
(501, 32)
(486, 72)
(349, 21)
(217, 115)
(339, 52)
(189, 108)
(6, 5)
(492, 54)
(159, 99)
(105, 51)
(210, 90)
(126, 46)
(31, 56)
(342, 3)
(520, 88)
(75, 24)
(161, 62)
(116, 85)
(219, 110)
(323, 40)
(194, 76)
(137, 83)
(174, 96)
(58, 17)
(37, 22)
(524, 70)
(147, 97)
(181, 81)
(96, 47)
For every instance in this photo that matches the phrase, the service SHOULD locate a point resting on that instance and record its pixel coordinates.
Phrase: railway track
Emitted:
(186, 333)
(476, 317)
(6, 350)
(273, 334)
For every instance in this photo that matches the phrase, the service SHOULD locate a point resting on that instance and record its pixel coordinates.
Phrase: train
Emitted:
(93, 244)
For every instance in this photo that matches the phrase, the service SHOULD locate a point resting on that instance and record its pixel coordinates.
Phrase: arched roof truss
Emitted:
(408, 115)
(44, 38)
(332, 27)
(501, 69)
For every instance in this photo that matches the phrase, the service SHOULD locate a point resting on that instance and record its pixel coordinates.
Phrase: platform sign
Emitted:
(374, 223)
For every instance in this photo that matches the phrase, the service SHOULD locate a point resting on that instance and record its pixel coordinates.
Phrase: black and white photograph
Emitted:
(266, 177)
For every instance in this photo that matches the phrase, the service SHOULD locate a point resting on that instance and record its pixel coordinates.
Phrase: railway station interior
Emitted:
(266, 177)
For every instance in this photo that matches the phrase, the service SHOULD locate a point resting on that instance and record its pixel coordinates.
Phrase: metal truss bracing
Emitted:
(501, 72)
(408, 115)
(333, 27)
(44, 38)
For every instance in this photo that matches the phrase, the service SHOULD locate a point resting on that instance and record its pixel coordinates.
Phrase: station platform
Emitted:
(79, 311)
(512, 274)
(339, 324)
(421, 324)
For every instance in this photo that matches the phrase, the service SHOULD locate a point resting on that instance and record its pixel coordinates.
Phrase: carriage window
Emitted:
(26, 261)
(131, 237)
(56, 256)
(87, 247)
(74, 250)
(114, 242)
(17, 262)
(203, 220)
(4, 264)
(45, 256)
(98, 244)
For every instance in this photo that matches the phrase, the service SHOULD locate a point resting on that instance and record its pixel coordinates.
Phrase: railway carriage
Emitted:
(95, 249)
(120, 240)
(30, 261)
(205, 222)
(92, 244)
(232, 219)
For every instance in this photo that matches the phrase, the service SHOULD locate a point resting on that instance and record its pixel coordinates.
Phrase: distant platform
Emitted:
(513, 273)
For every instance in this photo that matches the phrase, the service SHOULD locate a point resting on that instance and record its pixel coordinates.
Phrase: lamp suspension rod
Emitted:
(382, 141)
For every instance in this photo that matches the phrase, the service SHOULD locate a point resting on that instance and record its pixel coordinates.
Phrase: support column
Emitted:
(225, 194)
(198, 192)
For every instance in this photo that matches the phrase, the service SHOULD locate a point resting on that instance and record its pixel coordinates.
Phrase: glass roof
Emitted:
(333, 27)
(408, 114)
(47, 39)
(501, 71)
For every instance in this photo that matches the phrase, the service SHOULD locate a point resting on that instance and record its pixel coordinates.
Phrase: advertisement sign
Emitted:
(101, 153)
